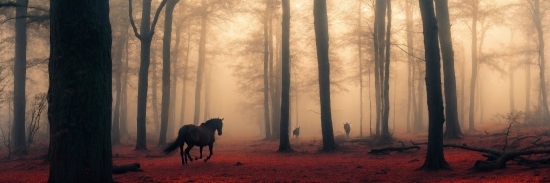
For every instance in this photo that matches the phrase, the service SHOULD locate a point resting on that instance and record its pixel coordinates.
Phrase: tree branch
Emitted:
(132, 20)
(159, 9)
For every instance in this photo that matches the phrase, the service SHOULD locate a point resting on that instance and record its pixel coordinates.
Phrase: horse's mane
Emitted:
(211, 120)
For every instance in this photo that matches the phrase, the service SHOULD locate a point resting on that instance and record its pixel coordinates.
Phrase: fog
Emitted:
(234, 56)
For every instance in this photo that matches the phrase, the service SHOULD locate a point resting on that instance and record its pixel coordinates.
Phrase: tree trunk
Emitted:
(512, 107)
(379, 33)
(284, 142)
(185, 71)
(117, 57)
(207, 94)
(386, 96)
(266, 74)
(154, 96)
(434, 155)
(19, 78)
(443, 23)
(166, 43)
(471, 127)
(80, 135)
(419, 126)
(410, 60)
(322, 44)
(360, 57)
(124, 98)
(200, 68)
(528, 86)
(275, 82)
(463, 90)
(174, 85)
(542, 62)
(147, 32)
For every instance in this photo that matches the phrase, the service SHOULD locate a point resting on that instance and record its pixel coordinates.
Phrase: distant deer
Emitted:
(347, 128)
(296, 132)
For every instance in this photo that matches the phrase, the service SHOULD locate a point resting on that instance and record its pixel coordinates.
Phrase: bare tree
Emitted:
(322, 42)
(284, 142)
(434, 155)
(451, 112)
(145, 37)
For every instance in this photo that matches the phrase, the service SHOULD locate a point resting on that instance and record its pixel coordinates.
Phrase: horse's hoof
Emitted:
(190, 159)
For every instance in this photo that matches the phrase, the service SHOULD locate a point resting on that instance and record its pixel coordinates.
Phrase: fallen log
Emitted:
(134, 167)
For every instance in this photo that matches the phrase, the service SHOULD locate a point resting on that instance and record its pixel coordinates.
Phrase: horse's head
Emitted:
(215, 124)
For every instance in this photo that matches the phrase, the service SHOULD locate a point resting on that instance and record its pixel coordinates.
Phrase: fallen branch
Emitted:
(387, 150)
(134, 167)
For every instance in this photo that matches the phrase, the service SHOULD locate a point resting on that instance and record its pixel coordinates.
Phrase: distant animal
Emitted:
(347, 129)
(296, 132)
(193, 135)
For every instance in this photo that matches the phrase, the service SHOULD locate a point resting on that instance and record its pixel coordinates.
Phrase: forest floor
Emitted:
(252, 160)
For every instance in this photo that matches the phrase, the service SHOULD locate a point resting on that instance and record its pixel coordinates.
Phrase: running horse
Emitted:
(193, 135)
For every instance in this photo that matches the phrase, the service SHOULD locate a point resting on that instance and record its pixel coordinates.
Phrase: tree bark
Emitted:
(444, 24)
(322, 40)
(166, 43)
(19, 78)
(434, 155)
(284, 141)
(275, 82)
(80, 135)
(124, 98)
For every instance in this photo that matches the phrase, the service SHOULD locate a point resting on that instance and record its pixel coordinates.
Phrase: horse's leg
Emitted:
(210, 147)
(181, 153)
(200, 150)
(187, 153)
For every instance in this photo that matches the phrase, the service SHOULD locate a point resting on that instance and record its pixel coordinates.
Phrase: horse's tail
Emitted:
(178, 141)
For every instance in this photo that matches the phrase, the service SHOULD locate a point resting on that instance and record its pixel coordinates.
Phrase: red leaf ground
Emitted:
(261, 163)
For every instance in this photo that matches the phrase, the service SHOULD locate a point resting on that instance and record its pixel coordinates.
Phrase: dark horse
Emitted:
(193, 135)
(296, 132)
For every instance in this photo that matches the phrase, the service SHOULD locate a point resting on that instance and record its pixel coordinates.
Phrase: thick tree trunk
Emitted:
(166, 43)
(386, 96)
(200, 68)
(266, 74)
(80, 135)
(284, 142)
(19, 79)
(154, 96)
(542, 62)
(443, 23)
(322, 44)
(434, 156)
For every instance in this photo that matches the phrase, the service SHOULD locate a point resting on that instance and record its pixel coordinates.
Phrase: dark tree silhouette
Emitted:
(321, 40)
(451, 111)
(19, 78)
(166, 42)
(434, 155)
(145, 37)
(284, 141)
(80, 91)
